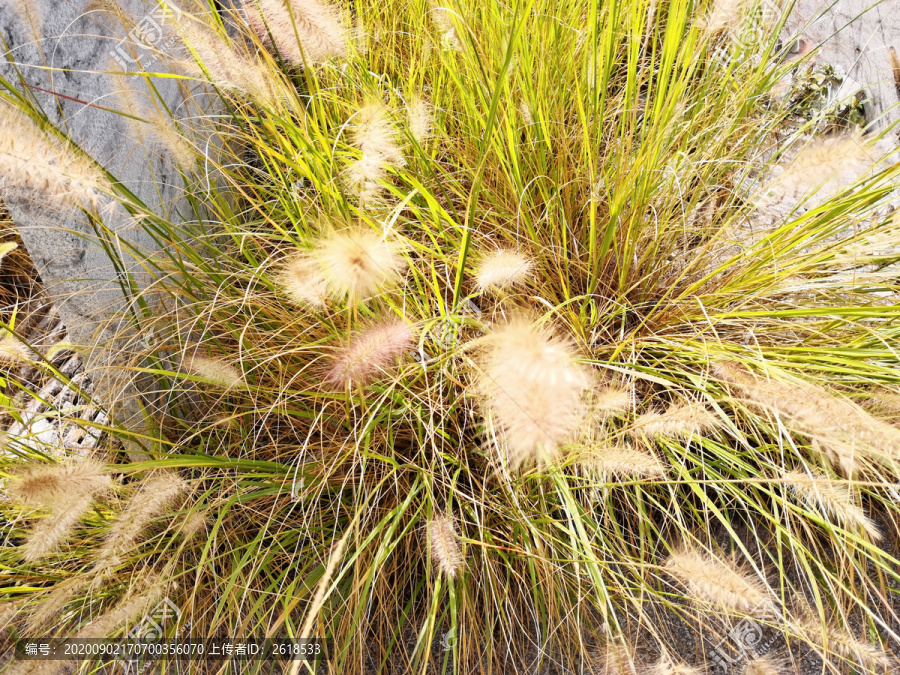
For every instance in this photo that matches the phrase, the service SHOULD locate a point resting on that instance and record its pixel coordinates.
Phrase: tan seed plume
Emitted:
(502, 269)
(845, 431)
(125, 612)
(31, 159)
(47, 612)
(51, 531)
(308, 28)
(373, 351)
(764, 665)
(14, 352)
(217, 371)
(421, 119)
(53, 485)
(215, 59)
(445, 548)
(830, 639)
(712, 580)
(356, 264)
(668, 666)
(621, 462)
(374, 133)
(681, 420)
(612, 401)
(833, 500)
(153, 498)
(532, 390)
(302, 281)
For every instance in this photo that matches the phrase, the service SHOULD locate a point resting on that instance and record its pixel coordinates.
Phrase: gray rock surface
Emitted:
(62, 53)
(856, 37)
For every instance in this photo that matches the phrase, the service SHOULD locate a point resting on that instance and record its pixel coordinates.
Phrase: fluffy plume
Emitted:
(617, 660)
(442, 19)
(612, 401)
(8, 612)
(724, 15)
(302, 281)
(216, 371)
(54, 529)
(6, 247)
(681, 420)
(832, 500)
(623, 462)
(764, 665)
(318, 27)
(375, 135)
(502, 269)
(830, 639)
(13, 351)
(193, 524)
(374, 350)
(153, 498)
(420, 119)
(740, 18)
(125, 612)
(532, 389)
(47, 612)
(842, 429)
(445, 545)
(31, 159)
(216, 59)
(53, 485)
(667, 666)
(356, 264)
(157, 126)
(710, 579)
(819, 170)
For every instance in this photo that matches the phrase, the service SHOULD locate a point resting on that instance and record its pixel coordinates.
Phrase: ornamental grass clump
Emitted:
(468, 350)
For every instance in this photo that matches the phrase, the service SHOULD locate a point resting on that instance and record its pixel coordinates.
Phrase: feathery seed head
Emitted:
(302, 282)
(6, 247)
(54, 485)
(681, 420)
(356, 264)
(532, 389)
(194, 524)
(845, 431)
(125, 611)
(319, 33)
(502, 269)
(832, 500)
(375, 135)
(830, 639)
(611, 401)
(218, 372)
(51, 531)
(31, 159)
(420, 119)
(215, 59)
(155, 495)
(764, 665)
(445, 547)
(719, 582)
(8, 612)
(623, 462)
(617, 660)
(13, 351)
(374, 350)
(667, 666)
